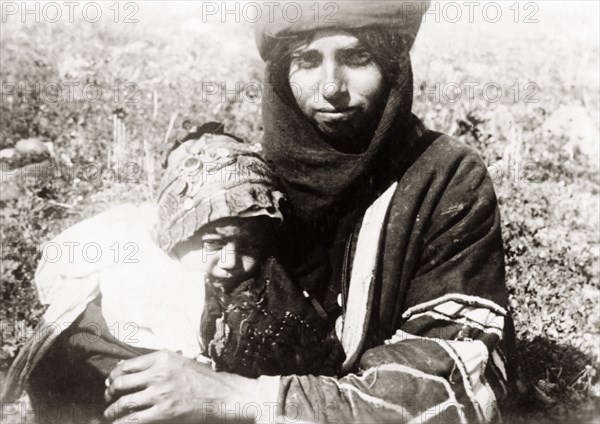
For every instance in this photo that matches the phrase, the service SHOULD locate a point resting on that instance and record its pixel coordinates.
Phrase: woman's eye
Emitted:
(306, 60)
(356, 57)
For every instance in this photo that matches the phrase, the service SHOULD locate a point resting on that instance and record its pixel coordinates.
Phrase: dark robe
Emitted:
(441, 244)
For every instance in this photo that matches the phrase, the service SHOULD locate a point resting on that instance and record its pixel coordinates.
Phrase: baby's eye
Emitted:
(213, 245)
(356, 57)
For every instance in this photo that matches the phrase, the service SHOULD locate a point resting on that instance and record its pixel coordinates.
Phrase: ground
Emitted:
(111, 97)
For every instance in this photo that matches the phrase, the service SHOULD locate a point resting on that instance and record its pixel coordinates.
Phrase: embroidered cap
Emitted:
(209, 178)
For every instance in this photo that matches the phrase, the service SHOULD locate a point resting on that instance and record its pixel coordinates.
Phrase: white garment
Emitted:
(148, 299)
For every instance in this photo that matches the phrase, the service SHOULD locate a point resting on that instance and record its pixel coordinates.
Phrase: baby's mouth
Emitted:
(227, 281)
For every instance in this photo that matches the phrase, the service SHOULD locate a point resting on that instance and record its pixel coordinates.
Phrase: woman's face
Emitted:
(337, 85)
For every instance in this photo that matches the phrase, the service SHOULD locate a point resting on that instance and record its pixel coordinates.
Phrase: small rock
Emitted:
(31, 146)
(8, 153)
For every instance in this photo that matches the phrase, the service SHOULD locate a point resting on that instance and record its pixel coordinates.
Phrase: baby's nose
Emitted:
(230, 256)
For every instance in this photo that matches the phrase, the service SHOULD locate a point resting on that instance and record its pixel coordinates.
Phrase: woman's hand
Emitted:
(167, 387)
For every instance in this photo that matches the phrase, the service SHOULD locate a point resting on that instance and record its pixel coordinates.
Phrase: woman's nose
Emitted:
(230, 257)
(333, 83)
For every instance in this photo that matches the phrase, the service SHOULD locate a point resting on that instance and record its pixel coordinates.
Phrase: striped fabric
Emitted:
(413, 379)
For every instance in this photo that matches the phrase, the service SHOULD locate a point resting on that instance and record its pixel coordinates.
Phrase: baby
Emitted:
(217, 206)
(200, 280)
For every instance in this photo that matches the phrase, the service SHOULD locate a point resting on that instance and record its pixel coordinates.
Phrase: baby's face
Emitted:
(228, 250)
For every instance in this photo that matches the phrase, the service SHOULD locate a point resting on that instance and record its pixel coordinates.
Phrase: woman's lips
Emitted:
(335, 114)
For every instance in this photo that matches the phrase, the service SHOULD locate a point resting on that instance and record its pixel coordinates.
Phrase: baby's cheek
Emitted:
(198, 260)
(249, 262)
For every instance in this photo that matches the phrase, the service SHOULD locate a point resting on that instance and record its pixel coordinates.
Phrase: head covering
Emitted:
(291, 19)
(319, 181)
(209, 178)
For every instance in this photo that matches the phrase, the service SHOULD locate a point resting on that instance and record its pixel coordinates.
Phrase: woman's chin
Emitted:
(345, 139)
(334, 130)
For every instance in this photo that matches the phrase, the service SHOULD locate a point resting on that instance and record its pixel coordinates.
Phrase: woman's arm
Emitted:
(410, 379)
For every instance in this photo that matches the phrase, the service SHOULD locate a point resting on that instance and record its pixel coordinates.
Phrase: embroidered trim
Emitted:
(459, 298)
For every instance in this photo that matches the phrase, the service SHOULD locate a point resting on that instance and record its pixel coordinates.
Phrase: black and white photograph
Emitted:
(300, 212)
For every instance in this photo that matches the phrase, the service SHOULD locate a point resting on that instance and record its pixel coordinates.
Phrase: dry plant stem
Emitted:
(170, 127)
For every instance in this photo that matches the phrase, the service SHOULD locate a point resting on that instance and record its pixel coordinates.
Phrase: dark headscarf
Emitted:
(322, 182)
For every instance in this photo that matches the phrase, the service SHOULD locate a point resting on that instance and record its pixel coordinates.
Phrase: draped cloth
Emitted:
(440, 342)
(287, 21)
(67, 383)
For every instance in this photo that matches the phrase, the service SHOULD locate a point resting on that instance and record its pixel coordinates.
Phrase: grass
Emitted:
(157, 75)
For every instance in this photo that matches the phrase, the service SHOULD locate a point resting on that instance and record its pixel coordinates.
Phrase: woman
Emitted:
(397, 233)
